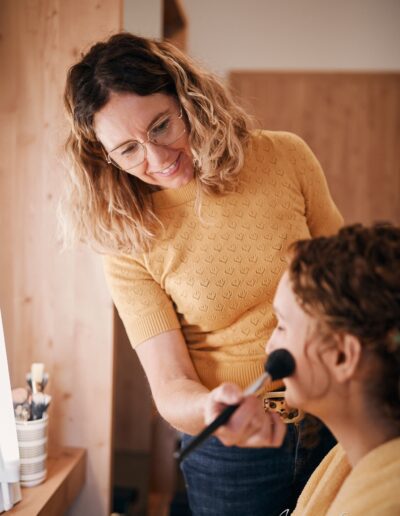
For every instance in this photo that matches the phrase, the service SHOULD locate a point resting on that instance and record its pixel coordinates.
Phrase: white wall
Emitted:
(143, 17)
(295, 34)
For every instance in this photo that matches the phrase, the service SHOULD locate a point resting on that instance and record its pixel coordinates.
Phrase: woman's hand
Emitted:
(249, 426)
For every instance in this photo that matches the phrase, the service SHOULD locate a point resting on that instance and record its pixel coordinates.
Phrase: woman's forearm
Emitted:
(176, 388)
(181, 403)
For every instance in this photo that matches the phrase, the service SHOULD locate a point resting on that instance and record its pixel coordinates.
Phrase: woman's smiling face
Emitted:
(128, 118)
(297, 332)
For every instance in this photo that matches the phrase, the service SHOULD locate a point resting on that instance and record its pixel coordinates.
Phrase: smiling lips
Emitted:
(169, 170)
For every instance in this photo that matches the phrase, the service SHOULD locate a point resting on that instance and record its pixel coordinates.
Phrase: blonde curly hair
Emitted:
(108, 208)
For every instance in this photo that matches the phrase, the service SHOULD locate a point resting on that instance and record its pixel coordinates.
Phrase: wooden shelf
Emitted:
(65, 478)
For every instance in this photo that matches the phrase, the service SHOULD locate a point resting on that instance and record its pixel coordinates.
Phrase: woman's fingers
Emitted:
(249, 425)
(243, 423)
(264, 430)
(224, 395)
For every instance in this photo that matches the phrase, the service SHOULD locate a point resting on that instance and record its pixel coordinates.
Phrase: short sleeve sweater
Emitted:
(214, 275)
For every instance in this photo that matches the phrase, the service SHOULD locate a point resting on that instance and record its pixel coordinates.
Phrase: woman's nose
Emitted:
(157, 157)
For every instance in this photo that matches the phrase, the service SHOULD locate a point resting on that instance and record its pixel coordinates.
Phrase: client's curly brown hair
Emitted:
(350, 282)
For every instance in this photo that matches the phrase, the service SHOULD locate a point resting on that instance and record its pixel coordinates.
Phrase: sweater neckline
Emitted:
(379, 456)
(175, 196)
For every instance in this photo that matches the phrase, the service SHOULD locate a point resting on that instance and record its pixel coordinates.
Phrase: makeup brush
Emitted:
(37, 370)
(280, 364)
(22, 408)
(40, 404)
(37, 379)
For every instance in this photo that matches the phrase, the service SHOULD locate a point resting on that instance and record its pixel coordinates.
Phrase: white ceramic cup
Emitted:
(32, 443)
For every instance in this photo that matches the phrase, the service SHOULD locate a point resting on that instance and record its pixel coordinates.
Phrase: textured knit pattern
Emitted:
(214, 276)
(372, 487)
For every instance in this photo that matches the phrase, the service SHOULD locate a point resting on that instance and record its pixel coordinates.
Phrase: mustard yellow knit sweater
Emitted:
(215, 276)
(371, 488)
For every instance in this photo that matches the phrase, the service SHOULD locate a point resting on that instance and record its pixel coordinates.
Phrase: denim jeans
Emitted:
(233, 481)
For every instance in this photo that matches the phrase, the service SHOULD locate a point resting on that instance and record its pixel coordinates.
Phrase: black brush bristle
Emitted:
(280, 364)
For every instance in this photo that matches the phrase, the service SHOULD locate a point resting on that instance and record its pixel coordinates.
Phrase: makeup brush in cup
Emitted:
(280, 364)
(37, 379)
(40, 404)
(37, 370)
(22, 408)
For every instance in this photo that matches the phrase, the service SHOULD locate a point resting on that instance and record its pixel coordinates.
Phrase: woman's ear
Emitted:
(346, 357)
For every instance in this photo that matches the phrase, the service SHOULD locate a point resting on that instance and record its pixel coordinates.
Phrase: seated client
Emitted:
(338, 310)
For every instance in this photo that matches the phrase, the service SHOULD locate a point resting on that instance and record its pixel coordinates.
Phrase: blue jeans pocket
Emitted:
(233, 481)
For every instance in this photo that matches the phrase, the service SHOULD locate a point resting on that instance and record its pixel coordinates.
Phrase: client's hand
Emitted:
(249, 426)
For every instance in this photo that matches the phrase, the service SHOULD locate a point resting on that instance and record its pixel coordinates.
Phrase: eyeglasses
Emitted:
(132, 153)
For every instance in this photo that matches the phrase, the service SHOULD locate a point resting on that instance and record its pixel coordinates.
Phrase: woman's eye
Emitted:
(161, 128)
(130, 148)
(280, 328)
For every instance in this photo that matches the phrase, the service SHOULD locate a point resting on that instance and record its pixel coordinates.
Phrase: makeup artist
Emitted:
(194, 213)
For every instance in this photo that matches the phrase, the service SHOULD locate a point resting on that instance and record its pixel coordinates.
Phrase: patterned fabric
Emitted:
(214, 275)
(274, 401)
(372, 487)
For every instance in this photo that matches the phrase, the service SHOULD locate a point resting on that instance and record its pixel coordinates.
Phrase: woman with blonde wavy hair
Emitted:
(193, 213)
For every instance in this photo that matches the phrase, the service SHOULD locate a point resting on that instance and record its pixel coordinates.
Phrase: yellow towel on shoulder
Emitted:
(372, 487)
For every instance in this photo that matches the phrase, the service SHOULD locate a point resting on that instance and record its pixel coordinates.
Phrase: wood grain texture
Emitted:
(350, 120)
(56, 307)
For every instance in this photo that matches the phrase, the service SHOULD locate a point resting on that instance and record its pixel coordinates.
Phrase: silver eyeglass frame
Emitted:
(110, 161)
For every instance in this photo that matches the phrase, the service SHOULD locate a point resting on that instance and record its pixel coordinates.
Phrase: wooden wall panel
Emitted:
(56, 306)
(352, 123)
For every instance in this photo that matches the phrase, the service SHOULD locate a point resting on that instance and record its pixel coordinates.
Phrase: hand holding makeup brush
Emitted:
(235, 416)
(249, 426)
